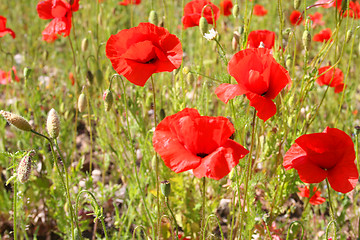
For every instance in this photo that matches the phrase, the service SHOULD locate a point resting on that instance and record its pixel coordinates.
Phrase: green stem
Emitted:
(15, 207)
(203, 205)
(173, 216)
(219, 225)
(289, 229)
(330, 202)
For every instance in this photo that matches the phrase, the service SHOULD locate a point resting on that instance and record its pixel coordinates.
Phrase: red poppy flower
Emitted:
(334, 78)
(3, 29)
(5, 77)
(323, 35)
(60, 11)
(192, 13)
(296, 18)
(138, 52)
(329, 154)
(316, 19)
(353, 12)
(127, 2)
(259, 76)
(187, 141)
(315, 199)
(259, 10)
(265, 36)
(225, 7)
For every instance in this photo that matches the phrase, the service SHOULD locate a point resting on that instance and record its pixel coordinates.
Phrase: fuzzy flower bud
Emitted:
(236, 11)
(24, 168)
(84, 44)
(235, 40)
(306, 39)
(349, 34)
(27, 73)
(153, 17)
(297, 4)
(108, 99)
(203, 25)
(165, 188)
(53, 124)
(16, 120)
(82, 102)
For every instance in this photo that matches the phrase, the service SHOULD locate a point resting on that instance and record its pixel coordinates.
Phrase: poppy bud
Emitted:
(24, 168)
(162, 114)
(203, 25)
(165, 188)
(349, 34)
(27, 73)
(190, 78)
(153, 17)
(297, 4)
(82, 102)
(236, 11)
(90, 76)
(99, 76)
(84, 44)
(13, 77)
(235, 40)
(185, 70)
(16, 120)
(357, 130)
(53, 124)
(108, 100)
(288, 61)
(306, 39)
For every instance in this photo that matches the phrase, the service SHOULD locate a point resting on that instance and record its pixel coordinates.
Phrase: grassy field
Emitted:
(93, 170)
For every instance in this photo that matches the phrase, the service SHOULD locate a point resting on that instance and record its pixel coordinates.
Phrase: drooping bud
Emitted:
(236, 11)
(90, 76)
(53, 124)
(306, 39)
(297, 4)
(153, 17)
(84, 44)
(203, 25)
(82, 102)
(27, 73)
(235, 41)
(349, 34)
(16, 120)
(165, 188)
(108, 99)
(24, 168)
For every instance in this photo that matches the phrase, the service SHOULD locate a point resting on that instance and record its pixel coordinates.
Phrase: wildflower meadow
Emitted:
(179, 119)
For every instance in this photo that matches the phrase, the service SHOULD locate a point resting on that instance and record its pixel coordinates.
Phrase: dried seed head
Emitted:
(153, 17)
(203, 25)
(82, 102)
(53, 124)
(24, 168)
(16, 120)
(108, 99)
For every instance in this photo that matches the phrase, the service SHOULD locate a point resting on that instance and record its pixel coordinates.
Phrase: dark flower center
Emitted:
(264, 94)
(151, 61)
(202, 155)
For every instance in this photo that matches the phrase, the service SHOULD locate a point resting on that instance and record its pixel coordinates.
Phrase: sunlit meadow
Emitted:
(178, 119)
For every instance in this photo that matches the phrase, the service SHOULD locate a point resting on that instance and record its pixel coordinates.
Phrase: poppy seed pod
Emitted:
(349, 34)
(108, 99)
(236, 11)
(82, 102)
(297, 4)
(165, 188)
(16, 120)
(53, 124)
(24, 168)
(153, 17)
(203, 25)
(306, 39)
(84, 44)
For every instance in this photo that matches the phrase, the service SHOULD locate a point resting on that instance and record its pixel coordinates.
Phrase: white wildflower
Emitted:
(211, 35)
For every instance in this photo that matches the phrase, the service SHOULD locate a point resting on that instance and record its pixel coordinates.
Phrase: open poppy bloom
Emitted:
(192, 13)
(5, 77)
(323, 35)
(259, 76)
(316, 19)
(138, 52)
(354, 10)
(3, 29)
(315, 199)
(296, 17)
(259, 10)
(225, 7)
(60, 11)
(329, 154)
(334, 78)
(261, 36)
(127, 2)
(187, 141)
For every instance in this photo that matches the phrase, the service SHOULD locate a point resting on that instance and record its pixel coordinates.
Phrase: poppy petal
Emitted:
(343, 178)
(226, 91)
(44, 9)
(265, 107)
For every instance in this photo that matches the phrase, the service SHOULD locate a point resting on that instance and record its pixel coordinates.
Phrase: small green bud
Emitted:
(16, 120)
(306, 39)
(165, 188)
(297, 4)
(349, 34)
(84, 44)
(236, 11)
(203, 25)
(90, 76)
(108, 99)
(162, 114)
(82, 102)
(27, 73)
(53, 124)
(24, 169)
(153, 17)
(288, 61)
